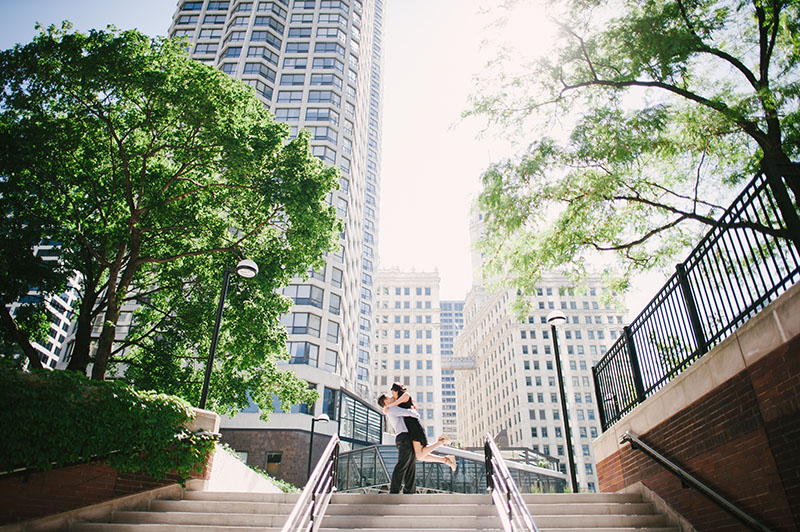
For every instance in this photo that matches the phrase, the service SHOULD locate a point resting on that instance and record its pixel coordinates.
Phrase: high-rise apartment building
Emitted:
(407, 340)
(315, 64)
(452, 322)
(511, 383)
(55, 348)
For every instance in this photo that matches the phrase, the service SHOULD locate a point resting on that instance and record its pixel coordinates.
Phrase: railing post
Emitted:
(487, 453)
(601, 410)
(783, 200)
(638, 383)
(691, 308)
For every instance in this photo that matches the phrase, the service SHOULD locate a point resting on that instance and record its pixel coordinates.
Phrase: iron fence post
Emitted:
(691, 308)
(638, 383)
(783, 200)
(487, 453)
(601, 411)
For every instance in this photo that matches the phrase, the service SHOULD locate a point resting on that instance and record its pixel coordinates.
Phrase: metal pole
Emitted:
(691, 310)
(310, 447)
(210, 363)
(567, 434)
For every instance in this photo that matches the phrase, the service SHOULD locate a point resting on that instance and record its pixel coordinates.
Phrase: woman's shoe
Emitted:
(451, 461)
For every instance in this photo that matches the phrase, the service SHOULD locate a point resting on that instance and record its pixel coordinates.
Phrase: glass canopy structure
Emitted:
(369, 469)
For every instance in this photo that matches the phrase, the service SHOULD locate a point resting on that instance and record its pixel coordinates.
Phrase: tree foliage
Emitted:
(669, 104)
(154, 173)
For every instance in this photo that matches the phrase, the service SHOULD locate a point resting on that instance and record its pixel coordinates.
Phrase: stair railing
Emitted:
(307, 514)
(688, 479)
(506, 497)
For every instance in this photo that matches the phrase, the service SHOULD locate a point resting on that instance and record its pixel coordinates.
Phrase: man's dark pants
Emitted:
(405, 472)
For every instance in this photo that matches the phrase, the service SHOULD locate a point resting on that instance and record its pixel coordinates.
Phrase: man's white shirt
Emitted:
(395, 415)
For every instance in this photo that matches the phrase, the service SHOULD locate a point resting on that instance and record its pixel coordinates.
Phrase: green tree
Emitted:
(155, 172)
(669, 105)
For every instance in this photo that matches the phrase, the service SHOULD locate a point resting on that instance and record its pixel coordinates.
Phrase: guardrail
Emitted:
(511, 508)
(749, 258)
(687, 479)
(307, 514)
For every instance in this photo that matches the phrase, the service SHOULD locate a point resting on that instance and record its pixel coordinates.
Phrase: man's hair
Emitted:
(381, 400)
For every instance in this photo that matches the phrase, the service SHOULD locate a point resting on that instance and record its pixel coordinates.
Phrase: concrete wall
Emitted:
(732, 420)
(292, 444)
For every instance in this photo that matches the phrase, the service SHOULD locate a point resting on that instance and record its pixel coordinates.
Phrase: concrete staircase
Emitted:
(252, 512)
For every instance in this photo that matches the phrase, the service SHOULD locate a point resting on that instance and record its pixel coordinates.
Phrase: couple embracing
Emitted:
(410, 439)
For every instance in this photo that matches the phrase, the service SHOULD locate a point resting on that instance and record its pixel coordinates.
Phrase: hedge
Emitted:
(58, 418)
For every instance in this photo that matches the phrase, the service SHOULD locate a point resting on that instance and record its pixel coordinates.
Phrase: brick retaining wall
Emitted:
(734, 424)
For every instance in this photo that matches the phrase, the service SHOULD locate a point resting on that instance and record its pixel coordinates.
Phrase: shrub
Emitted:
(57, 418)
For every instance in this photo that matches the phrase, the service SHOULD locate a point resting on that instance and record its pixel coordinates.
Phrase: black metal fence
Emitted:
(744, 262)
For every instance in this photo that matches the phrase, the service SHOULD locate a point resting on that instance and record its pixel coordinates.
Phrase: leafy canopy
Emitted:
(154, 173)
(667, 106)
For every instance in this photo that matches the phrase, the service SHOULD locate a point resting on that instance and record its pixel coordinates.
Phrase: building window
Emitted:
(317, 114)
(291, 97)
(273, 464)
(297, 48)
(206, 48)
(333, 332)
(329, 403)
(293, 79)
(287, 114)
(303, 353)
(302, 323)
(331, 360)
(329, 47)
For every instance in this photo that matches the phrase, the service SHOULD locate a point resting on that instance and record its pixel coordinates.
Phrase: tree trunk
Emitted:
(20, 337)
(115, 293)
(83, 334)
(109, 332)
(783, 165)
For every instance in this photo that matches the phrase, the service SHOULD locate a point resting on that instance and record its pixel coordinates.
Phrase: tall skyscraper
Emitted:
(407, 342)
(315, 64)
(452, 320)
(511, 384)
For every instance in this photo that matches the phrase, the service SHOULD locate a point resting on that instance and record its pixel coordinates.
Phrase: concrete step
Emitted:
(196, 518)
(455, 498)
(267, 512)
(549, 498)
(282, 498)
(489, 521)
(541, 529)
(132, 527)
(489, 509)
(234, 507)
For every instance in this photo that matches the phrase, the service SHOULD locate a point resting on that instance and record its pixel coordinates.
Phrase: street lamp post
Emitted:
(322, 419)
(558, 318)
(247, 269)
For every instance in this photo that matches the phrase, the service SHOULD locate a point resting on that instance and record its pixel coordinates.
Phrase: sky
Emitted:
(431, 159)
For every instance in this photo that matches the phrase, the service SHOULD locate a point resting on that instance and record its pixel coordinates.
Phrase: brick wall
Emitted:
(742, 439)
(292, 444)
(26, 496)
(30, 495)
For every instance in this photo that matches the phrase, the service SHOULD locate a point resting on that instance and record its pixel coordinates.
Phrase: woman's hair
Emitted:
(399, 388)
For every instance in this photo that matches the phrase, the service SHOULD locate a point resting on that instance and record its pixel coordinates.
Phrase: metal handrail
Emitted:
(687, 478)
(511, 508)
(307, 514)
